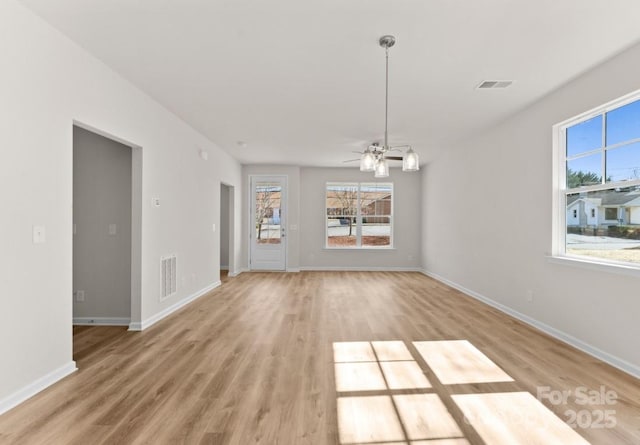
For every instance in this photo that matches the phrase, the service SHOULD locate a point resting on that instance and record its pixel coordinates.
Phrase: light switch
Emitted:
(293, 227)
(38, 235)
(112, 229)
(213, 226)
(75, 228)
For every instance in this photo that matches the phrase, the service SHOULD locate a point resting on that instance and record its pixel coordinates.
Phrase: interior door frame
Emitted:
(231, 226)
(135, 314)
(283, 222)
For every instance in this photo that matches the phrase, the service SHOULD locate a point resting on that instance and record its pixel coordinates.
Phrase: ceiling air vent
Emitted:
(493, 84)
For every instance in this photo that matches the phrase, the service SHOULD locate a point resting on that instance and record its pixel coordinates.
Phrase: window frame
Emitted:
(561, 191)
(359, 216)
(607, 210)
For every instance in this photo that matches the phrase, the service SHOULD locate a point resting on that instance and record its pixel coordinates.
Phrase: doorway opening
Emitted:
(227, 234)
(107, 215)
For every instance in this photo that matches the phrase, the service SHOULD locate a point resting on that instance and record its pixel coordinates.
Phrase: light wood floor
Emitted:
(253, 362)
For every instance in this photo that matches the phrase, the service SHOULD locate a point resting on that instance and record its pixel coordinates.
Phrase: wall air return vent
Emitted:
(494, 84)
(168, 276)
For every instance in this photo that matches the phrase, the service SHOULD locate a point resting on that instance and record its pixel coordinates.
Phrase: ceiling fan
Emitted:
(376, 150)
(375, 157)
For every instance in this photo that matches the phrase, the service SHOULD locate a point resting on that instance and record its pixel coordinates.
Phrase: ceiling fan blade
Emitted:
(393, 158)
(350, 160)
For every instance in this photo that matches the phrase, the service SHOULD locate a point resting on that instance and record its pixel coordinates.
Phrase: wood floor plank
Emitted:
(253, 362)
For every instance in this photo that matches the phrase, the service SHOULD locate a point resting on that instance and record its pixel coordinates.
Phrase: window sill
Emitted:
(600, 266)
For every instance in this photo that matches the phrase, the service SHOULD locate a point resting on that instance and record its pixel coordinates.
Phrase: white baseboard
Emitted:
(224, 267)
(614, 361)
(36, 386)
(361, 269)
(238, 272)
(101, 321)
(293, 269)
(144, 324)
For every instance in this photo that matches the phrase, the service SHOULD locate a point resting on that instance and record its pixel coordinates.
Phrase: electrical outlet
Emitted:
(80, 295)
(213, 226)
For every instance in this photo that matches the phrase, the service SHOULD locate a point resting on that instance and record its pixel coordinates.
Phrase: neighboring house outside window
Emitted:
(359, 215)
(598, 183)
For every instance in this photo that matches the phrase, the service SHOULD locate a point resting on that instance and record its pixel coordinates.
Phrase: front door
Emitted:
(267, 225)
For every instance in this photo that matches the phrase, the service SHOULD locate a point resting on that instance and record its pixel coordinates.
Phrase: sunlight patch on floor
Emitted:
(359, 377)
(368, 420)
(353, 351)
(390, 416)
(404, 375)
(441, 442)
(391, 351)
(424, 416)
(457, 362)
(513, 418)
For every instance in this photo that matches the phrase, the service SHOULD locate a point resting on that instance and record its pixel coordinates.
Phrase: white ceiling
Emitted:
(302, 81)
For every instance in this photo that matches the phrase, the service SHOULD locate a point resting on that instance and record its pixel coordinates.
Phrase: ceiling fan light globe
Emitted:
(367, 161)
(382, 169)
(410, 161)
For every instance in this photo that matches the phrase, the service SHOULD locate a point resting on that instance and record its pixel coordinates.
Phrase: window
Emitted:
(359, 215)
(598, 156)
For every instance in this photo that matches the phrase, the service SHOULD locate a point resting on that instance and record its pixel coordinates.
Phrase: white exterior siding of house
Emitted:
(573, 214)
(635, 215)
(583, 212)
(592, 211)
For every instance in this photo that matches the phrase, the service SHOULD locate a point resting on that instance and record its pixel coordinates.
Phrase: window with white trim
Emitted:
(359, 215)
(598, 183)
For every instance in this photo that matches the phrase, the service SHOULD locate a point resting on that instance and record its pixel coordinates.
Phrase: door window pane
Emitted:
(268, 200)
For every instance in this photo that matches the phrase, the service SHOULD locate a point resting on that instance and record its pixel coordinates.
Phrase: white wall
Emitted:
(406, 220)
(101, 197)
(47, 82)
(487, 221)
